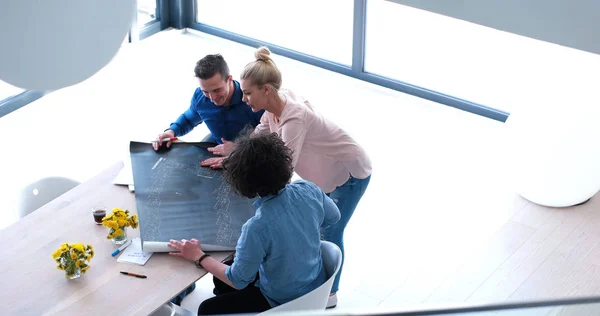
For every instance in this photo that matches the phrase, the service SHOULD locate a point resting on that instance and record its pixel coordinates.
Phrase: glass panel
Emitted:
(321, 28)
(559, 310)
(7, 90)
(146, 12)
(469, 61)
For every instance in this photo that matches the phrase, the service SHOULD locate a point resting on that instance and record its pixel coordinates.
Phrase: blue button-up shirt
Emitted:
(222, 121)
(282, 242)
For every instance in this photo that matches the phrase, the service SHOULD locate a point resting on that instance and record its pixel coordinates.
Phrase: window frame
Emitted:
(357, 69)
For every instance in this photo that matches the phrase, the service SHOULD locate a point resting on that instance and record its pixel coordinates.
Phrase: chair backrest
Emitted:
(317, 299)
(37, 194)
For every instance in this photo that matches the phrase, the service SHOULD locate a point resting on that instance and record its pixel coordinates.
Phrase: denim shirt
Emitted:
(222, 121)
(282, 242)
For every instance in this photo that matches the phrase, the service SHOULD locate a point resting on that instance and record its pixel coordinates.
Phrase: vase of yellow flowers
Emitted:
(117, 221)
(73, 258)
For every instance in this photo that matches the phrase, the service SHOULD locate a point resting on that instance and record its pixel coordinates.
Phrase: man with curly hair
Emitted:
(278, 255)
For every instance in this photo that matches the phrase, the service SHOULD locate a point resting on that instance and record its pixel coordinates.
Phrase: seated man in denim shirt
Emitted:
(218, 103)
(281, 242)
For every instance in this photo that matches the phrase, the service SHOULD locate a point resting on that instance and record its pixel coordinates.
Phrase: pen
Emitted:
(134, 274)
(169, 139)
(116, 252)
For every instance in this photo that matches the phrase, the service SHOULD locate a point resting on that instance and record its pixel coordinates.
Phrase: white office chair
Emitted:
(171, 309)
(37, 194)
(317, 299)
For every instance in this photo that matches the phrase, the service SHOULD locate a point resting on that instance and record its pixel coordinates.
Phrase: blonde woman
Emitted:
(323, 153)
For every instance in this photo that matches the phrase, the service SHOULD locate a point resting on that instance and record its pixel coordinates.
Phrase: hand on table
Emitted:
(224, 149)
(188, 249)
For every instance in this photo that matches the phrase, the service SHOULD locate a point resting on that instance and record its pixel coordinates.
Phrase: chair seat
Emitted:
(316, 299)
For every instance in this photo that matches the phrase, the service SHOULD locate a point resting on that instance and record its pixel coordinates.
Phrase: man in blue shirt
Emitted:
(218, 103)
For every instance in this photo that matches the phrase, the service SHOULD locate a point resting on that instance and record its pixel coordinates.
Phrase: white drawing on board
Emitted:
(198, 170)
(224, 232)
(152, 228)
(159, 175)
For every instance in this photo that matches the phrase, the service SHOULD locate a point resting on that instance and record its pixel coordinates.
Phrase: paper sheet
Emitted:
(134, 253)
(125, 176)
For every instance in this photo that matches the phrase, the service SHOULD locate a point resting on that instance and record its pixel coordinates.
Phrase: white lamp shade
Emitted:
(554, 149)
(50, 44)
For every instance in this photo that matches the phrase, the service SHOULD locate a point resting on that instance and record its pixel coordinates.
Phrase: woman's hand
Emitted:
(224, 149)
(188, 249)
(215, 163)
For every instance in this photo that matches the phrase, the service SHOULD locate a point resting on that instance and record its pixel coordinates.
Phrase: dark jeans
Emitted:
(231, 301)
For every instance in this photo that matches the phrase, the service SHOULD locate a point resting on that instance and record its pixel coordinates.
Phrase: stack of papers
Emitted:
(134, 253)
(125, 176)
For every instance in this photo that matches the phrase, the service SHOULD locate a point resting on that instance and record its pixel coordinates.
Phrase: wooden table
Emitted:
(32, 285)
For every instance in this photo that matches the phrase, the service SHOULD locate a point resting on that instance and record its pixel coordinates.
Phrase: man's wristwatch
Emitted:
(199, 261)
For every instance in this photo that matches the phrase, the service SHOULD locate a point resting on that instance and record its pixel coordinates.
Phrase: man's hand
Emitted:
(158, 142)
(188, 249)
(215, 163)
(224, 149)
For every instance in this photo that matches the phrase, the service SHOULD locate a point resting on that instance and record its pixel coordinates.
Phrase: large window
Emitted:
(469, 61)
(321, 28)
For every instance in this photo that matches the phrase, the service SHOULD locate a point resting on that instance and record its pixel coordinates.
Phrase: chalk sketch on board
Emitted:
(225, 231)
(177, 198)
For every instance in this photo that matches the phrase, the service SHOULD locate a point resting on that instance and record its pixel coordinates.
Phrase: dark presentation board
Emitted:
(178, 199)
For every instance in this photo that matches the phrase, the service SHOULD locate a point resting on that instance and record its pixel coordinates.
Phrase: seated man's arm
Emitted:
(250, 253)
(332, 213)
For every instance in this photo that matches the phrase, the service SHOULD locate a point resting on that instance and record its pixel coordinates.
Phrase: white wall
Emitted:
(573, 24)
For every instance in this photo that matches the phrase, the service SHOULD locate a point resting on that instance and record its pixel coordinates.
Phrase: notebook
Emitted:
(134, 253)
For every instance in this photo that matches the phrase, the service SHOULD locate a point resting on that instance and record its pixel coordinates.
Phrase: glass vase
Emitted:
(119, 240)
(71, 270)
(76, 275)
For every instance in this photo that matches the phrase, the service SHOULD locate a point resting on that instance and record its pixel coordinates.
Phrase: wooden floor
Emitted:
(439, 224)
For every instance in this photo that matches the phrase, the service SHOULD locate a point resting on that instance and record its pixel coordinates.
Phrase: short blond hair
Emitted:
(263, 70)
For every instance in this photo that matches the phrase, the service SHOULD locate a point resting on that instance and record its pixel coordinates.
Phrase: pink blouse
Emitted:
(323, 152)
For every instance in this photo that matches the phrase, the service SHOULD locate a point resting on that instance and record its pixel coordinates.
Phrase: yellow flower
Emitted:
(79, 247)
(69, 257)
(57, 253)
(117, 220)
